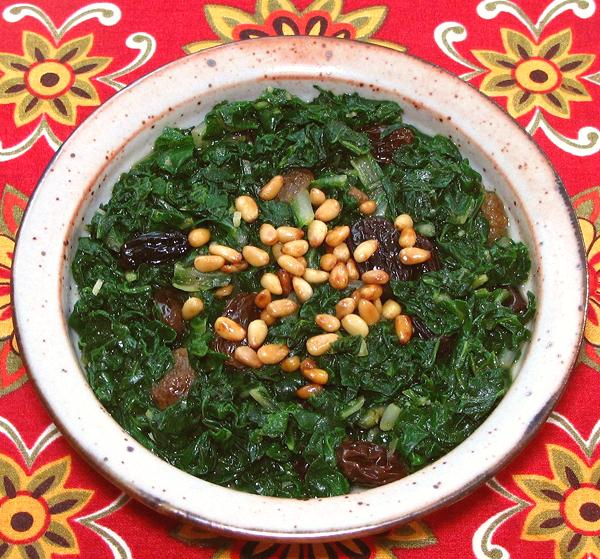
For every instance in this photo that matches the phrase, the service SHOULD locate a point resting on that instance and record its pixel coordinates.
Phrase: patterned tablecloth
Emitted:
(538, 60)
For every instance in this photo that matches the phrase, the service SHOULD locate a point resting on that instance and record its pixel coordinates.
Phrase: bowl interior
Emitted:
(122, 132)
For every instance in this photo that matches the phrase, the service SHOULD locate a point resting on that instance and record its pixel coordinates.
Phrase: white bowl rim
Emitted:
(47, 351)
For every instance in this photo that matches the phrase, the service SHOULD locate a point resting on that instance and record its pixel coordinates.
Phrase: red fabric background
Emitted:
(571, 142)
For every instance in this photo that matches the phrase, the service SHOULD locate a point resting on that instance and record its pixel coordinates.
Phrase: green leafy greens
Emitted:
(246, 428)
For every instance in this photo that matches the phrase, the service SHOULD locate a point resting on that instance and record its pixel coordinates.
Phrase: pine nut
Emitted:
(315, 276)
(255, 256)
(257, 333)
(267, 234)
(247, 356)
(234, 268)
(353, 273)
(403, 221)
(262, 299)
(247, 207)
(286, 234)
(408, 237)
(268, 319)
(328, 210)
(302, 261)
(306, 392)
(270, 190)
(358, 195)
(192, 308)
(391, 309)
(271, 354)
(371, 292)
(290, 364)
(316, 196)
(356, 296)
(378, 305)
(368, 207)
(317, 231)
(224, 291)
(380, 277)
(327, 322)
(342, 252)
(355, 325)
(327, 262)
(230, 254)
(277, 250)
(413, 255)
(308, 363)
(286, 281)
(320, 344)
(316, 376)
(365, 250)
(345, 307)
(291, 265)
(404, 328)
(198, 237)
(337, 235)
(302, 289)
(208, 263)
(282, 307)
(296, 248)
(271, 282)
(338, 278)
(368, 312)
(229, 329)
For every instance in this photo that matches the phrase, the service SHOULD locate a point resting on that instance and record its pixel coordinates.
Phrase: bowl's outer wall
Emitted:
(121, 131)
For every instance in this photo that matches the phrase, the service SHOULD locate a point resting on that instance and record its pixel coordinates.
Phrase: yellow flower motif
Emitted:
(35, 510)
(50, 80)
(533, 75)
(567, 507)
(408, 536)
(7, 247)
(281, 17)
(592, 247)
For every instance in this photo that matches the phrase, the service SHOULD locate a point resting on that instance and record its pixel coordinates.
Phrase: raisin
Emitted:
(368, 464)
(447, 342)
(516, 302)
(383, 149)
(169, 304)
(493, 210)
(387, 256)
(433, 264)
(176, 383)
(294, 181)
(153, 248)
(242, 309)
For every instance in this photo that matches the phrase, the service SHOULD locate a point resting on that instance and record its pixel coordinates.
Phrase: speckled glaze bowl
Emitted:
(122, 131)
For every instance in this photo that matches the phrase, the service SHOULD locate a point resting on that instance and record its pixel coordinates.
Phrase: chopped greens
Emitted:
(246, 428)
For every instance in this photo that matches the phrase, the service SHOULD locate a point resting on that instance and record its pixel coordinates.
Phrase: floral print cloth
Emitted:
(538, 59)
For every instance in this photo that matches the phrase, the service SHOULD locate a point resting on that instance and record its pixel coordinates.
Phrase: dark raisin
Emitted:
(383, 148)
(285, 279)
(447, 343)
(294, 181)
(515, 301)
(242, 309)
(153, 248)
(300, 467)
(169, 304)
(387, 256)
(176, 383)
(368, 464)
(433, 264)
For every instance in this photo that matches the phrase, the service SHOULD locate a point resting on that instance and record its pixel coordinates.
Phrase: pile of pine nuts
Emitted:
(287, 246)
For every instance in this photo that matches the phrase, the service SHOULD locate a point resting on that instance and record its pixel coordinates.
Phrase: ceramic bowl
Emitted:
(122, 131)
